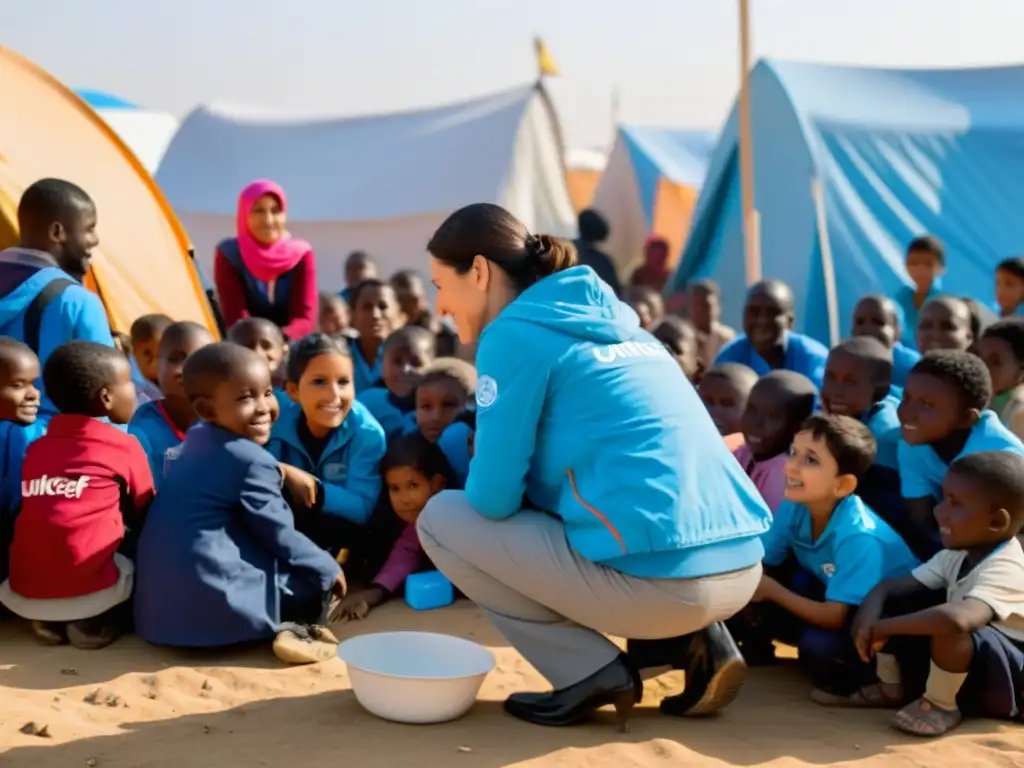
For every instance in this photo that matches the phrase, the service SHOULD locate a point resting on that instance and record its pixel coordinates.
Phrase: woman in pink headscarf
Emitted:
(264, 271)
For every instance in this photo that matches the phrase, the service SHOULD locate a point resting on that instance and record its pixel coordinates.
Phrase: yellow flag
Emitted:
(545, 64)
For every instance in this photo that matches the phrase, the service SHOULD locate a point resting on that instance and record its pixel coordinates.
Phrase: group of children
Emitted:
(896, 480)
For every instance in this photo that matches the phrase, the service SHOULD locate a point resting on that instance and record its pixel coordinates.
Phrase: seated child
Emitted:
(768, 342)
(145, 338)
(442, 398)
(945, 323)
(878, 317)
(329, 447)
(412, 300)
(414, 470)
(680, 339)
(333, 317)
(83, 483)
(965, 655)
(926, 263)
(122, 343)
(648, 305)
(1010, 286)
(268, 341)
(724, 390)
(19, 406)
(779, 403)
(359, 266)
(842, 547)
(160, 425)
(406, 353)
(704, 309)
(1001, 346)
(221, 560)
(943, 416)
(375, 316)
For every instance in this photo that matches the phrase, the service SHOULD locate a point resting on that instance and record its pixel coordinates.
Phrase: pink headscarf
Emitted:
(266, 262)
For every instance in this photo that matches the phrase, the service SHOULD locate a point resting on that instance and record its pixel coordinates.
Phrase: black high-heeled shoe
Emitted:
(616, 684)
(714, 668)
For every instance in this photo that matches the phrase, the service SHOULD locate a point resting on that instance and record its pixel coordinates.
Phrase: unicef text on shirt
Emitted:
(613, 352)
(69, 488)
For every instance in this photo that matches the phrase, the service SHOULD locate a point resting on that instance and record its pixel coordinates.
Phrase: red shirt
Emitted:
(70, 523)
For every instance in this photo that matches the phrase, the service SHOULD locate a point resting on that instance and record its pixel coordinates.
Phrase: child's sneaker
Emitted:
(305, 644)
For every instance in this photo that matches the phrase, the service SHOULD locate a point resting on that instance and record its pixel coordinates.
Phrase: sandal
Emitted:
(50, 632)
(89, 635)
(305, 643)
(923, 718)
(872, 696)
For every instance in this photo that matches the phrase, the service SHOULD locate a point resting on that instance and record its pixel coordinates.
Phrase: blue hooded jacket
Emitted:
(77, 313)
(591, 418)
(349, 467)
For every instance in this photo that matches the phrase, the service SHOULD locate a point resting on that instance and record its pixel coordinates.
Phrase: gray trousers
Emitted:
(553, 605)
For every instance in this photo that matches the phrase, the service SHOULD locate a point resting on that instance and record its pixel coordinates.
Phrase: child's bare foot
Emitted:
(305, 644)
(874, 696)
(50, 632)
(91, 635)
(923, 718)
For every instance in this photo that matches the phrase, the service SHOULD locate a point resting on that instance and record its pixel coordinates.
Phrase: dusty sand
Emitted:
(134, 705)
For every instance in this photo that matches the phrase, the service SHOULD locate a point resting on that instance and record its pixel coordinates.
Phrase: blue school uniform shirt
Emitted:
(349, 466)
(803, 355)
(884, 423)
(922, 471)
(160, 439)
(219, 549)
(14, 440)
(904, 300)
(856, 551)
(366, 376)
(396, 415)
(284, 403)
(903, 361)
(587, 414)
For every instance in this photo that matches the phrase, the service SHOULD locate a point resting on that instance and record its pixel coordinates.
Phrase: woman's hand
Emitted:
(300, 484)
(360, 603)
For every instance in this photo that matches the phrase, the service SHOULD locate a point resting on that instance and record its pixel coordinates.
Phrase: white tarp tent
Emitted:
(381, 183)
(147, 132)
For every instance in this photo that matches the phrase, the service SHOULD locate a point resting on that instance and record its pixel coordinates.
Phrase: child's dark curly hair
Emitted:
(964, 372)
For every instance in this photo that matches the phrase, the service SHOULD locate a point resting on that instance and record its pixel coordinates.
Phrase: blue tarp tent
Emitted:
(897, 153)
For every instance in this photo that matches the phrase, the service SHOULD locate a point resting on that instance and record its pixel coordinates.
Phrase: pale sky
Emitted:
(675, 61)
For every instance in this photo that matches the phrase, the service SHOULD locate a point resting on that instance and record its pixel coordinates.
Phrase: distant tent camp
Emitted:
(583, 169)
(146, 132)
(650, 186)
(897, 154)
(142, 264)
(380, 183)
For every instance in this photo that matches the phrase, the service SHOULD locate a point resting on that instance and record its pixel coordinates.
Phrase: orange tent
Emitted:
(142, 265)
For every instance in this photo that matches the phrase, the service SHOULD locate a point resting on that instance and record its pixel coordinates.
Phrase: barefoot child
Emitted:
(943, 417)
(768, 342)
(925, 263)
(444, 395)
(375, 316)
(680, 339)
(146, 333)
(329, 448)
(268, 341)
(223, 563)
(975, 637)
(779, 403)
(1001, 346)
(724, 390)
(945, 322)
(878, 317)
(407, 352)
(414, 469)
(842, 547)
(83, 483)
(160, 425)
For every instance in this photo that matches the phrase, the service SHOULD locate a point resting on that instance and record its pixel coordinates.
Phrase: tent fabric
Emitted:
(382, 183)
(897, 153)
(584, 168)
(650, 187)
(146, 132)
(142, 264)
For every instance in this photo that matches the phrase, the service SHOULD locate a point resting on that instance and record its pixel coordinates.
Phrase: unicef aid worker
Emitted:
(600, 499)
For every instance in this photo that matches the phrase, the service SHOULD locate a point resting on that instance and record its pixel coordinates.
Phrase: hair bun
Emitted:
(550, 254)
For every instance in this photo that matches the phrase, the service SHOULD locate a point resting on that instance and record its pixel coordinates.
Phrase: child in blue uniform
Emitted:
(768, 342)
(878, 317)
(965, 654)
(945, 322)
(220, 561)
(19, 406)
(445, 394)
(329, 447)
(834, 536)
(406, 354)
(375, 315)
(268, 341)
(724, 390)
(160, 425)
(146, 332)
(943, 416)
(1010, 287)
(1001, 346)
(925, 263)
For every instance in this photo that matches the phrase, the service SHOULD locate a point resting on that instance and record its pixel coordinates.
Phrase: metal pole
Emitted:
(751, 229)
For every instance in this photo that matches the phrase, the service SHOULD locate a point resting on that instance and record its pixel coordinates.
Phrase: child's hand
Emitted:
(301, 485)
(869, 639)
(765, 590)
(340, 586)
(359, 604)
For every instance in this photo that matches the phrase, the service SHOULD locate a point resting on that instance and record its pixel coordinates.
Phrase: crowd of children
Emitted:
(892, 463)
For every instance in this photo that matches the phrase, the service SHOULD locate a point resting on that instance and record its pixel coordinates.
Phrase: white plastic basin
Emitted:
(415, 677)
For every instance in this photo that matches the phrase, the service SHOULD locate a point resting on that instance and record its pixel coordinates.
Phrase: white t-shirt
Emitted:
(997, 581)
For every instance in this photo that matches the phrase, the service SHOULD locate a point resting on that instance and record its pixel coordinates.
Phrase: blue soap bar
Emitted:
(424, 591)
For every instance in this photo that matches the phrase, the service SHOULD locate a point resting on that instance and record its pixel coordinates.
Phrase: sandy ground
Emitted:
(134, 705)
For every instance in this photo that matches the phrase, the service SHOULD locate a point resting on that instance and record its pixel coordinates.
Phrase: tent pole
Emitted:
(751, 225)
(828, 266)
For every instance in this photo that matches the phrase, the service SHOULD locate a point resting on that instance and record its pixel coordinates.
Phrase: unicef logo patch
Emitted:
(335, 472)
(486, 392)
